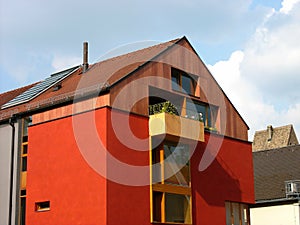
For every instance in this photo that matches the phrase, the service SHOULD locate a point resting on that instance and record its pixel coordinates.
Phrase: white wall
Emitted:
(5, 153)
(276, 215)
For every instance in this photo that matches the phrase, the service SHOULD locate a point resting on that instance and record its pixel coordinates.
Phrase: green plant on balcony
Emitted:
(164, 107)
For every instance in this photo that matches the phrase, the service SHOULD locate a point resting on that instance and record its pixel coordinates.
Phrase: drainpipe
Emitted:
(12, 121)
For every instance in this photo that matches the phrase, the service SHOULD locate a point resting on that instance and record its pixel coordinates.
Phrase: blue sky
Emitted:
(249, 44)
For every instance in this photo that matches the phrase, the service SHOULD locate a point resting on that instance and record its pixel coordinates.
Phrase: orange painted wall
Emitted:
(58, 173)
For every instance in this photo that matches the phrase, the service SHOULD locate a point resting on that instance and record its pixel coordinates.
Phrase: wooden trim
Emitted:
(162, 164)
(71, 109)
(151, 174)
(23, 180)
(183, 111)
(163, 208)
(174, 189)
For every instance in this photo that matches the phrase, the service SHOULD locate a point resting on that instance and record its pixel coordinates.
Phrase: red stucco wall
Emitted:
(228, 178)
(129, 204)
(58, 172)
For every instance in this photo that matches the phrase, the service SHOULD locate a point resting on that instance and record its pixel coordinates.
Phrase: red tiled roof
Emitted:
(107, 71)
(7, 96)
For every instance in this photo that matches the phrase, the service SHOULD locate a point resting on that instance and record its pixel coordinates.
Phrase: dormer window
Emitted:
(181, 81)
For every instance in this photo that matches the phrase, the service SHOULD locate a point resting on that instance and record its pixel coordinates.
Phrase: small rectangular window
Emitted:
(23, 193)
(42, 206)
(25, 149)
(24, 163)
(181, 81)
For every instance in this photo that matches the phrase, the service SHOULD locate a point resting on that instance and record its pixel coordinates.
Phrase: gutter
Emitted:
(12, 121)
(273, 202)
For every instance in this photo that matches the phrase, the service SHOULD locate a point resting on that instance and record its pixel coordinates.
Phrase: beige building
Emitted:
(274, 137)
(276, 160)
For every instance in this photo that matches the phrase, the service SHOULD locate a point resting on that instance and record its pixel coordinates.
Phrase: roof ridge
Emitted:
(275, 128)
(135, 51)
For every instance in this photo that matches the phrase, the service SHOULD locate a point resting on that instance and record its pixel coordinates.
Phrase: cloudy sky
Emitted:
(252, 47)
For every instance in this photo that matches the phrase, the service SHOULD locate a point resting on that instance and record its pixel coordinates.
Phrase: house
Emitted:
(147, 137)
(276, 137)
(277, 186)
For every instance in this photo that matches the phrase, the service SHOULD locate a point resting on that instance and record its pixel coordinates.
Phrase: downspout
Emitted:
(12, 121)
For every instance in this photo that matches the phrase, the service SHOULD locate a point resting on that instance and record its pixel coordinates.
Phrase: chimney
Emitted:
(270, 132)
(85, 64)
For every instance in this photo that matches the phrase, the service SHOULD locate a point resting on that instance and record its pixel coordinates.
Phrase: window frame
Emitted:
(163, 188)
(42, 206)
(210, 112)
(177, 83)
(237, 213)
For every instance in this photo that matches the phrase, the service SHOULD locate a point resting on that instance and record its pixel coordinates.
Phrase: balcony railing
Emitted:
(165, 120)
(168, 107)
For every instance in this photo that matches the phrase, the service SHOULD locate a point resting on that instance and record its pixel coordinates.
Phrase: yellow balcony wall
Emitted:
(165, 123)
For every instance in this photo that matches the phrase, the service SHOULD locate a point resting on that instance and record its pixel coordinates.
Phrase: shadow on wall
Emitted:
(220, 182)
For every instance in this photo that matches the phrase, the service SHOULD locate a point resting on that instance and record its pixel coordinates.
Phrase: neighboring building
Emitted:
(142, 138)
(276, 137)
(9, 136)
(277, 186)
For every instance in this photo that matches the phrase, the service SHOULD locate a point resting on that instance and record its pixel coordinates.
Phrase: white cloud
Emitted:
(287, 5)
(263, 80)
(54, 28)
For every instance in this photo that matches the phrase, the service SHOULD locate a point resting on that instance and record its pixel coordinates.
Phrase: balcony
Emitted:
(166, 121)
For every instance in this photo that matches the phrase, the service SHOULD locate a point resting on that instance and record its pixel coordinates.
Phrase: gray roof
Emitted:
(276, 137)
(272, 168)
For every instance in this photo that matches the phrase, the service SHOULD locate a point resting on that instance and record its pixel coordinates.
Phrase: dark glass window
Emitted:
(157, 201)
(197, 110)
(188, 84)
(182, 81)
(180, 213)
(176, 162)
(23, 211)
(42, 206)
(176, 84)
(24, 163)
(25, 149)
